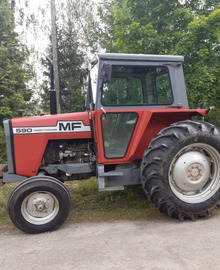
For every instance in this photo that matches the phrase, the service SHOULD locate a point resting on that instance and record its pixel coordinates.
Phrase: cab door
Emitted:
(125, 109)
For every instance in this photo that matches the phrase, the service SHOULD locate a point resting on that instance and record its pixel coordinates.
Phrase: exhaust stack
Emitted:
(53, 103)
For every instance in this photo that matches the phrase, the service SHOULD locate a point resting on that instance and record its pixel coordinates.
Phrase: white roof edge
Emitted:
(141, 57)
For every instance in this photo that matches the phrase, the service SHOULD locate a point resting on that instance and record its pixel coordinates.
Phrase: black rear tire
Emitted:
(39, 204)
(181, 169)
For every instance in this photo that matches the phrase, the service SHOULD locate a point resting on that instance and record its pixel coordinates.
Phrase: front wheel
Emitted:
(39, 204)
(181, 169)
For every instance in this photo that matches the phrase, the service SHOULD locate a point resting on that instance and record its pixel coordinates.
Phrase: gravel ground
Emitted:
(165, 244)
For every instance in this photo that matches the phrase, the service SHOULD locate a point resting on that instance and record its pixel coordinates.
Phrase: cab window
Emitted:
(137, 85)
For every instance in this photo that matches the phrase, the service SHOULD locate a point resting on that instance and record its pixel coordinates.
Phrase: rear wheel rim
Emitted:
(40, 207)
(194, 173)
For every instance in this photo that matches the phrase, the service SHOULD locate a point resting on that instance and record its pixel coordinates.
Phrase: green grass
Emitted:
(5, 192)
(90, 205)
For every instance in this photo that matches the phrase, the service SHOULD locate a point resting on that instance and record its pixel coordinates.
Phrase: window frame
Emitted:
(131, 135)
(144, 88)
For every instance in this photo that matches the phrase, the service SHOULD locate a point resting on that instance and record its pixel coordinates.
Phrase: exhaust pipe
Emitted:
(53, 102)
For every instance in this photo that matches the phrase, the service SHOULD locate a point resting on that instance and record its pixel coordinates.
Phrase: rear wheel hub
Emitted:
(194, 173)
(191, 171)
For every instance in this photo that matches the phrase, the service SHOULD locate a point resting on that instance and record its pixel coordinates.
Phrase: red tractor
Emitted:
(136, 128)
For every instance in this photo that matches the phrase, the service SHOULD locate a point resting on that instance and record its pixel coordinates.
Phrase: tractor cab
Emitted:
(135, 80)
(132, 97)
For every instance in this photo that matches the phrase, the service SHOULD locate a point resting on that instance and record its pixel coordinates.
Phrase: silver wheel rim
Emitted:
(194, 174)
(40, 208)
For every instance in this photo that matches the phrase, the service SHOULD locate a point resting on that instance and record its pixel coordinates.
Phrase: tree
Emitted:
(77, 31)
(189, 28)
(14, 73)
(72, 73)
(201, 7)
(202, 51)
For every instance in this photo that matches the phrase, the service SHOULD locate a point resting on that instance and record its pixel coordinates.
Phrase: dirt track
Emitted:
(165, 244)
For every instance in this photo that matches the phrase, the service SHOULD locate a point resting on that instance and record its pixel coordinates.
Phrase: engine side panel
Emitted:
(31, 135)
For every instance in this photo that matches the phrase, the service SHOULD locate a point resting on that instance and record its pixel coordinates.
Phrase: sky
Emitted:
(31, 33)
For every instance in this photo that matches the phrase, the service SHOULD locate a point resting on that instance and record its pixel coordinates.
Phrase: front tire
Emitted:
(39, 204)
(181, 169)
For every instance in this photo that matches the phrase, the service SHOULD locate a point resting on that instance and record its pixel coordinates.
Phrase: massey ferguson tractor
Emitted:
(136, 128)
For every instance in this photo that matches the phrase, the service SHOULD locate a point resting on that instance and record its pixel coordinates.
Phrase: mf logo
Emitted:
(69, 126)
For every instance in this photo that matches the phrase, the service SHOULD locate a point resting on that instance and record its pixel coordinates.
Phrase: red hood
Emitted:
(50, 120)
(31, 135)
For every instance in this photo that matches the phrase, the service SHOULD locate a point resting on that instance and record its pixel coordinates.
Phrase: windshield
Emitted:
(136, 85)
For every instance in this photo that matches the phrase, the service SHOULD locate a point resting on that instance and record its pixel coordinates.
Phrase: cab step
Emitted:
(102, 175)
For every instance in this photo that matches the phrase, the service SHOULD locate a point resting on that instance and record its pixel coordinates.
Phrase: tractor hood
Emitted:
(68, 123)
(27, 138)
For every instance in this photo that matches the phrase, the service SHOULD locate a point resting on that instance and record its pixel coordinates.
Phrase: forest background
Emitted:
(189, 28)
